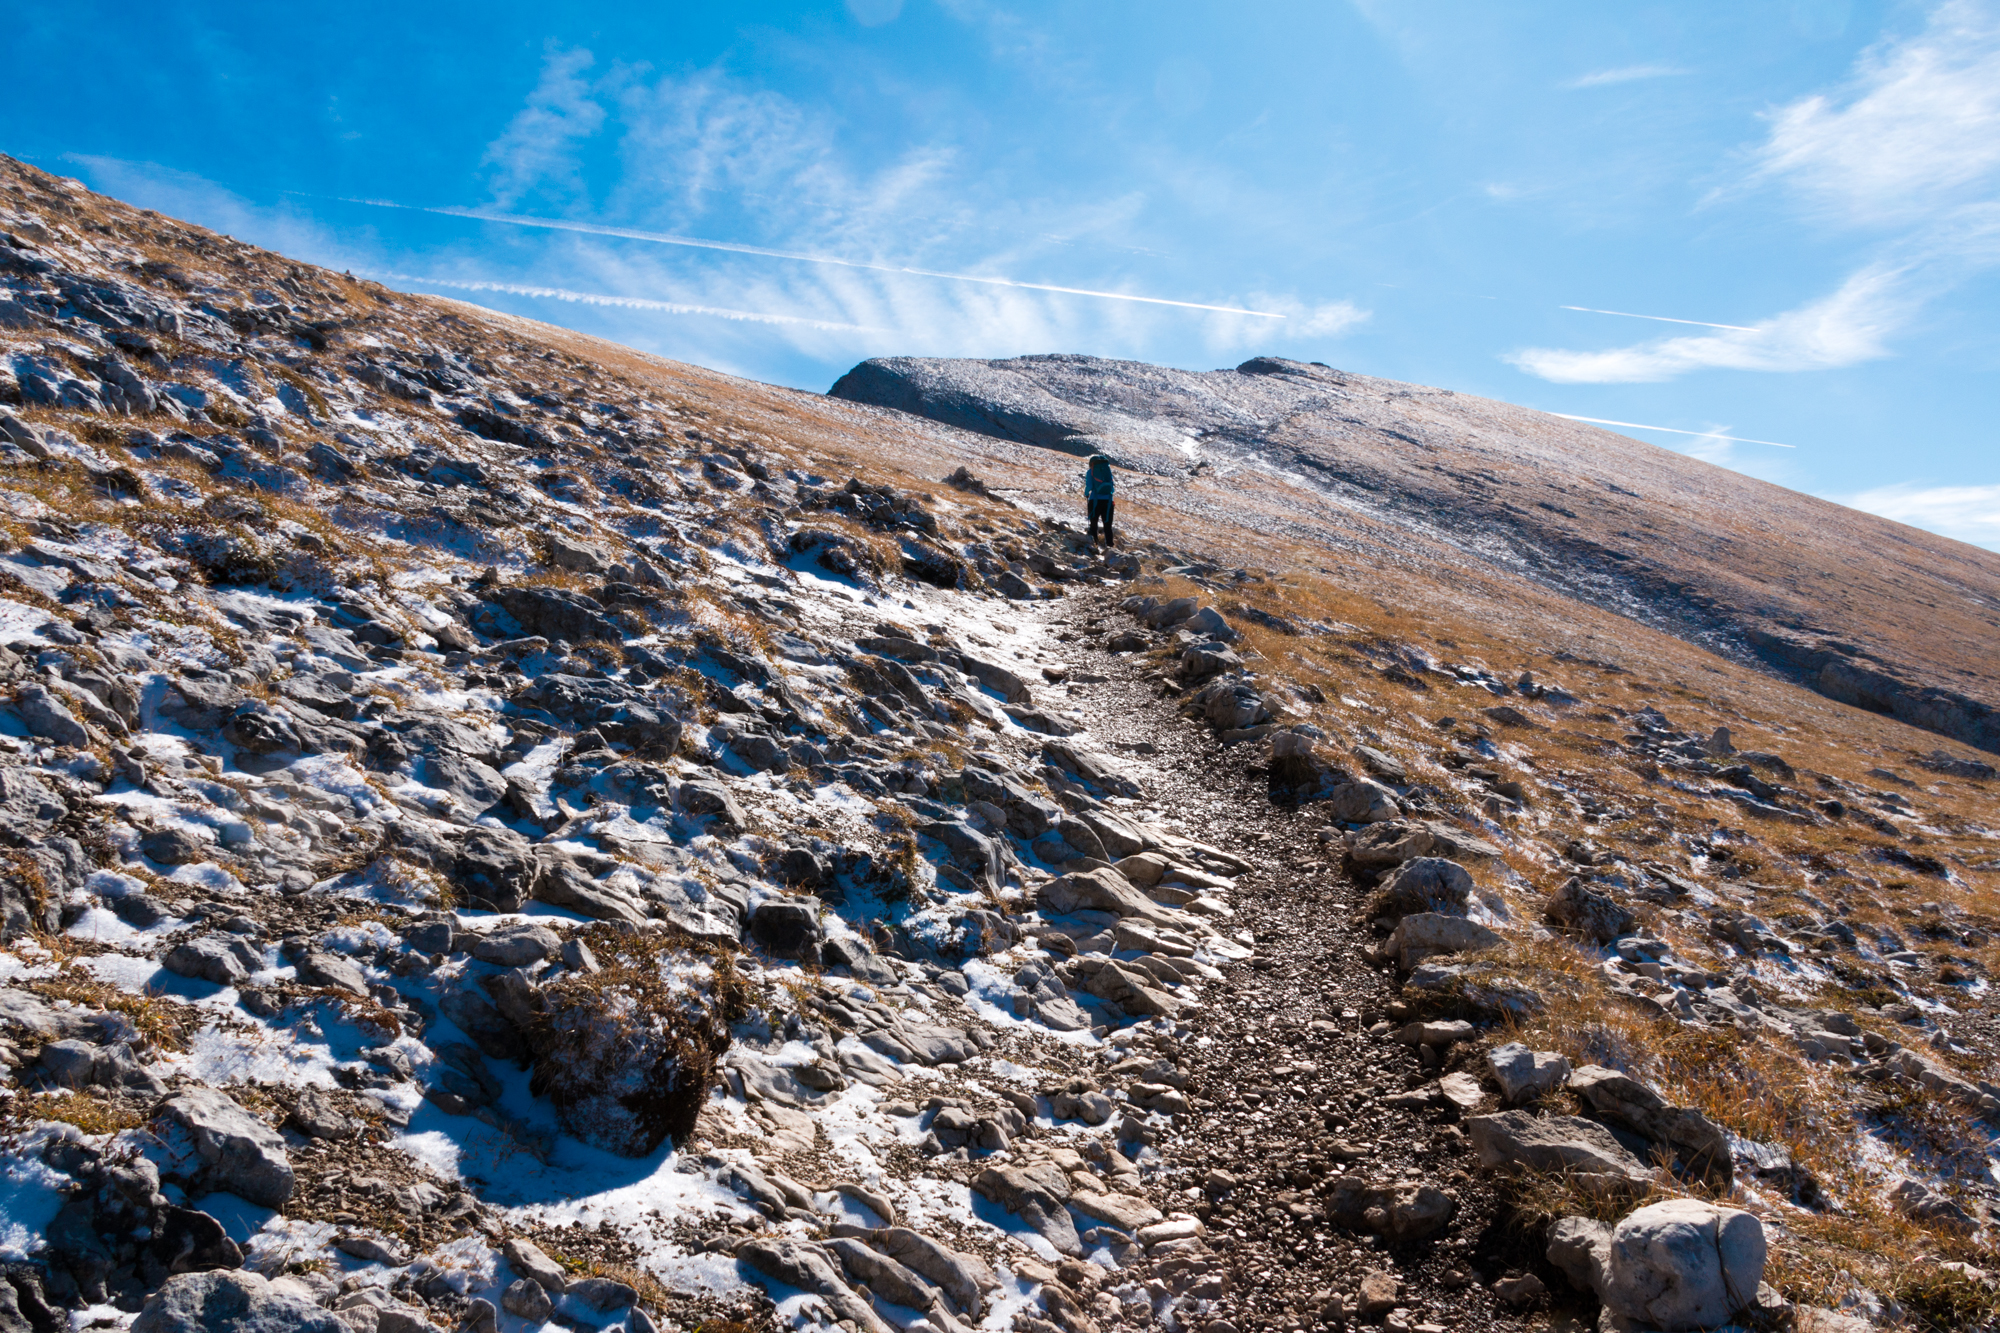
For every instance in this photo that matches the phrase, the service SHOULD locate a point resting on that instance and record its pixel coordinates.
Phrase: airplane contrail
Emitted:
(630, 302)
(1662, 319)
(1704, 434)
(734, 247)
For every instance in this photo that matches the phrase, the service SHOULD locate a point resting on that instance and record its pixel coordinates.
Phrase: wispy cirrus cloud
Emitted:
(1968, 513)
(1625, 74)
(536, 151)
(1916, 132)
(1908, 145)
(1847, 327)
(627, 157)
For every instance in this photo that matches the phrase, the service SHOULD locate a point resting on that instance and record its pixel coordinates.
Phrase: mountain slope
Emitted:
(500, 830)
(1869, 612)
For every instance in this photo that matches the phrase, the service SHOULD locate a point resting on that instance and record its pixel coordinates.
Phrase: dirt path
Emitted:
(1288, 1078)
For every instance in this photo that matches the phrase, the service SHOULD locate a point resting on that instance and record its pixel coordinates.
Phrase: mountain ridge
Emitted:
(1739, 565)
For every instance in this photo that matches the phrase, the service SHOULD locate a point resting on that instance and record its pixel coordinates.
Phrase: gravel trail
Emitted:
(1291, 1089)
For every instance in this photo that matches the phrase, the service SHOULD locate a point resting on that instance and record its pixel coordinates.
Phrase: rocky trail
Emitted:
(498, 833)
(1295, 1079)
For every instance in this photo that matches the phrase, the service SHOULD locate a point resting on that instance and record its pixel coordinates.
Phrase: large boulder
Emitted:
(801, 1264)
(963, 1277)
(231, 1301)
(495, 869)
(1384, 846)
(1581, 1248)
(557, 613)
(625, 1057)
(223, 959)
(45, 716)
(1302, 770)
(1684, 1264)
(561, 882)
(1567, 1145)
(1422, 934)
(997, 679)
(1227, 703)
(1589, 912)
(1036, 1193)
(1699, 1145)
(1101, 890)
(1361, 801)
(1041, 994)
(1425, 884)
(1524, 1074)
(1124, 985)
(238, 1152)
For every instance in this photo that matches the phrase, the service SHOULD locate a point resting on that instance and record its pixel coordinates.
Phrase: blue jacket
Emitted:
(1097, 484)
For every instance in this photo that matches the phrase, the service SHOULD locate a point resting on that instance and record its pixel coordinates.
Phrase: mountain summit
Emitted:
(1864, 610)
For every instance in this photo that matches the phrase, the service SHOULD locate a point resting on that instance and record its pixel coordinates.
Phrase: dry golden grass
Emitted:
(90, 1113)
(162, 1023)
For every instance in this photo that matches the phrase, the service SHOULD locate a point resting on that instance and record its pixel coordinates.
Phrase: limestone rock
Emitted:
(1422, 934)
(1524, 1074)
(1684, 1264)
(1035, 1192)
(1557, 1143)
(810, 1268)
(222, 959)
(238, 1152)
(516, 944)
(1426, 884)
(1581, 1248)
(1587, 911)
(1362, 802)
(1698, 1143)
(230, 1301)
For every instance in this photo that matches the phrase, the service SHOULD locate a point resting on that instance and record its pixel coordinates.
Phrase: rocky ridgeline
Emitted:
(493, 842)
(1413, 480)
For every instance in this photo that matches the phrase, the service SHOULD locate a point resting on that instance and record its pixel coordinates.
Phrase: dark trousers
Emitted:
(1100, 512)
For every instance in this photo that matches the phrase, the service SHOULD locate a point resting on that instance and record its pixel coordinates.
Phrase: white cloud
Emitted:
(537, 149)
(1915, 131)
(1318, 321)
(1911, 142)
(901, 245)
(1967, 513)
(1850, 326)
(1624, 74)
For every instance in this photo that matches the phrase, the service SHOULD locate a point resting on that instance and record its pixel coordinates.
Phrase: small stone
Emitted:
(1525, 1075)
(1462, 1090)
(1379, 1294)
(371, 1249)
(1518, 1291)
(527, 1298)
(529, 1260)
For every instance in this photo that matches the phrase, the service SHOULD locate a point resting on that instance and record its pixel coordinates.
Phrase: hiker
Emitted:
(1097, 493)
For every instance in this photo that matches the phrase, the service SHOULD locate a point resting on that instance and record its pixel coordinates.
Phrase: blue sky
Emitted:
(1449, 193)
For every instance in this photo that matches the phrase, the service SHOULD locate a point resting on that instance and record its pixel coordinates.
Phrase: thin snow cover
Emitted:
(259, 1053)
(31, 1192)
(21, 622)
(364, 936)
